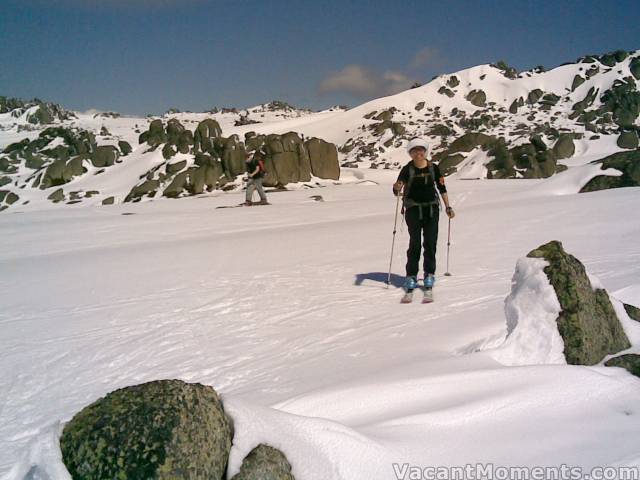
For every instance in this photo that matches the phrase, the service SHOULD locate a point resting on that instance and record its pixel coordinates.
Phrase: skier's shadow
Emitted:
(380, 277)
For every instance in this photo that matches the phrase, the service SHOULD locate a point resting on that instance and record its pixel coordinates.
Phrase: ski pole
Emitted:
(393, 242)
(447, 274)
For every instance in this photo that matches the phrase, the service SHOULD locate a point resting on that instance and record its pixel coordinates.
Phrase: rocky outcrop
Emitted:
(56, 156)
(629, 361)
(155, 136)
(37, 112)
(264, 463)
(163, 429)
(628, 163)
(218, 160)
(530, 160)
(587, 322)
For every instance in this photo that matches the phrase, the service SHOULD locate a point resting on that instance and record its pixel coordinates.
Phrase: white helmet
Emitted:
(418, 142)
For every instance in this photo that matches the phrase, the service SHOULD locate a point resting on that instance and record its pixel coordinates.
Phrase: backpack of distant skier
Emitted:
(262, 170)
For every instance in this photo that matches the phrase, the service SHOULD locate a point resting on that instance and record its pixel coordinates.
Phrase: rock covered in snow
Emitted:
(587, 322)
(557, 314)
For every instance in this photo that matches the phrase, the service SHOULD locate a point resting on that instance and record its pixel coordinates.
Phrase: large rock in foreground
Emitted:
(587, 322)
(264, 463)
(165, 429)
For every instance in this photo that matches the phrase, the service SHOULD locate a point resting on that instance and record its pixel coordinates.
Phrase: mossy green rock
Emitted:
(11, 198)
(449, 164)
(8, 197)
(105, 156)
(57, 196)
(440, 130)
(166, 429)
(626, 162)
(628, 140)
(564, 146)
(155, 135)
(623, 101)
(264, 463)
(629, 361)
(634, 67)
(205, 132)
(445, 91)
(108, 201)
(233, 157)
(173, 168)
(174, 130)
(177, 186)
(577, 81)
(633, 312)
(168, 151)
(324, 158)
(125, 147)
(517, 103)
(477, 98)
(4, 181)
(145, 188)
(534, 96)
(587, 323)
(469, 141)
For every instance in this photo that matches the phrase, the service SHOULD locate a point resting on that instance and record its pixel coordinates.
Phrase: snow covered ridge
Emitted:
(489, 122)
(484, 122)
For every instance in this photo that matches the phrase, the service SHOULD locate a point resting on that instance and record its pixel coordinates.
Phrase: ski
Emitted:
(256, 204)
(407, 297)
(428, 295)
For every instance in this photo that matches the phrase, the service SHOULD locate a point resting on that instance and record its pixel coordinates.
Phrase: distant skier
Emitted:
(417, 184)
(256, 172)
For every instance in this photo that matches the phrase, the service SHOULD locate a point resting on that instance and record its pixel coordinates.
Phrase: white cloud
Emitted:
(363, 82)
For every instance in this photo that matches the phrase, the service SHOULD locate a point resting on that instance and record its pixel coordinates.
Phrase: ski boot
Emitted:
(429, 282)
(410, 284)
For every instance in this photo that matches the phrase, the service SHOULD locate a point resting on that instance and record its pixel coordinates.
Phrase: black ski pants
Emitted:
(427, 228)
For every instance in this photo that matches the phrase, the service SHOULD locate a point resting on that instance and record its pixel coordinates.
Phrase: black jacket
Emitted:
(423, 187)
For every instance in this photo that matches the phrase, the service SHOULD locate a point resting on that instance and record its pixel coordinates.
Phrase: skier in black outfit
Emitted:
(417, 184)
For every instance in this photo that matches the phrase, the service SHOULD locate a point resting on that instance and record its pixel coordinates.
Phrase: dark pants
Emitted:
(427, 227)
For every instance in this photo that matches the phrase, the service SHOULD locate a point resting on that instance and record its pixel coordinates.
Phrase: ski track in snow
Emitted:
(285, 312)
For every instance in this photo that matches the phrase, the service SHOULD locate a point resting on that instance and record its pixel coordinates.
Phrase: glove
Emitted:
(450, 212)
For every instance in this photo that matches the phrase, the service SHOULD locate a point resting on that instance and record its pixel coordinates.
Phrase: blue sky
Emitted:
(145, 56)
